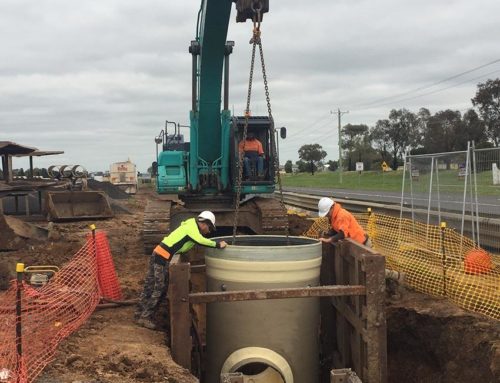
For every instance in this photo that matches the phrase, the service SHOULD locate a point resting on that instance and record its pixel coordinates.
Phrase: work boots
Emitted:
(146, 323)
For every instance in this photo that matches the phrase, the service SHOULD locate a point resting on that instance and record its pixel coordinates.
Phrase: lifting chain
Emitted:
(256, 40)
(273, 139)
(240, 154)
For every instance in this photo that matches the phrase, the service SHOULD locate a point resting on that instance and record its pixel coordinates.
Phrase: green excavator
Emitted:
(207, 172)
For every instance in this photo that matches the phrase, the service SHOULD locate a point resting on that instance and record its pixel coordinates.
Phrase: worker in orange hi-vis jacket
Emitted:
(253, 154)
(342, 223)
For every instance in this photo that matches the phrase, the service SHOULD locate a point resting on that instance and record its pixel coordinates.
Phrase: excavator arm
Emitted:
(205, 173)
(209, 156)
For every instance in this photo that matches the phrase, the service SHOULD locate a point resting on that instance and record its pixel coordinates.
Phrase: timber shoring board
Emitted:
(352, 319)
(180, 316)
(360, 322)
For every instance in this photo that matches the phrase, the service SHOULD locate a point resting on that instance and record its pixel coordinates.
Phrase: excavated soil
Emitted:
(109, 348)
(429, 340)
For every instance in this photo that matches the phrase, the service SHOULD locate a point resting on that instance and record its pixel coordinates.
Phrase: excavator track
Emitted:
(156, 223)
(268, 218)
(274, 220)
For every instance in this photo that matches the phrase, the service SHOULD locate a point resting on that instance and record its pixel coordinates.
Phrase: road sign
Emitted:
(462, 170)
(360, 166)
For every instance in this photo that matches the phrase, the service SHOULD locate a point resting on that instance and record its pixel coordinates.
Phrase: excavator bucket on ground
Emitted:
(77, 205)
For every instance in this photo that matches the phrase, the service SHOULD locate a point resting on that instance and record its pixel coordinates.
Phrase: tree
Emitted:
(313, 154)
(380, 138)
(288, 166)
(364, 152)
(333, 165)
(423, 117)
(400, 132)
(442, 132)
(302, 166)
(474, 130)
(487, 100)
(352, 136)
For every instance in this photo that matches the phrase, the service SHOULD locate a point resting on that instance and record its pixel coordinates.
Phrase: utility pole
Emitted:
(339, 114)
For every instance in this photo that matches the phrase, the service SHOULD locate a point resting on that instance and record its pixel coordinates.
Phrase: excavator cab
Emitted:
(258, 168)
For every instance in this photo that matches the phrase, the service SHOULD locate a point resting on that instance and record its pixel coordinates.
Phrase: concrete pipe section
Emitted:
(272, 341)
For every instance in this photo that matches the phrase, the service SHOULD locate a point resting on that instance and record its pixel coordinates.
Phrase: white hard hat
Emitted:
(324, 206)
(207, 216)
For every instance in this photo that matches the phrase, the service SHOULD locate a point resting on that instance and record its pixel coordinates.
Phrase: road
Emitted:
(489, 206)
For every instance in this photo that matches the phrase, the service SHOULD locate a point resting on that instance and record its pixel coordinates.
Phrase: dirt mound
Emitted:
(432, 340)
(111, 190)
(26, 229)
(110, 348)
(298, 224)
(8, 238)
(5, 275)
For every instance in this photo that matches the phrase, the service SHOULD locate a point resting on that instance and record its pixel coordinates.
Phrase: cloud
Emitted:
(98, 79)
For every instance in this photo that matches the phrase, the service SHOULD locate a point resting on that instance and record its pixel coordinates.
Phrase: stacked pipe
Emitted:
(67, 171)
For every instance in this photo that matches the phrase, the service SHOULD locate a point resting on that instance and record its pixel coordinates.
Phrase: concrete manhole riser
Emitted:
(260, 338)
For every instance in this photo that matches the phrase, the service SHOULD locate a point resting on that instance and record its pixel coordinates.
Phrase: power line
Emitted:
(364, 105)
(310, 126)
(434, 91)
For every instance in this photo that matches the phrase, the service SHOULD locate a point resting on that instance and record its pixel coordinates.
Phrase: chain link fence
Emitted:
(459, 188)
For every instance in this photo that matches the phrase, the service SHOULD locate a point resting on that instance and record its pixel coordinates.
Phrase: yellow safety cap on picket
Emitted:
(20, 268)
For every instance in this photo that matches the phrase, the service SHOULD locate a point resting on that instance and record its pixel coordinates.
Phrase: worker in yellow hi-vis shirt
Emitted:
(182, 239)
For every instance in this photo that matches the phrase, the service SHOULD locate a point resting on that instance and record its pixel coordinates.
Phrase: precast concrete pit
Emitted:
(272, 341)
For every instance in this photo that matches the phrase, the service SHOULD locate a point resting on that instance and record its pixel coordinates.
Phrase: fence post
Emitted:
(443, 255)
(19, 338)
(94, 250)
(371, 225)
(92, 227)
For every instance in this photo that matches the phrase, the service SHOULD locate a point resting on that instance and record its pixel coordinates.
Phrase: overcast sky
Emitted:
(98, 79)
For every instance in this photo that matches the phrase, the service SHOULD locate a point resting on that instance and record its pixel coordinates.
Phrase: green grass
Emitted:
(370, 180)
(390, 181)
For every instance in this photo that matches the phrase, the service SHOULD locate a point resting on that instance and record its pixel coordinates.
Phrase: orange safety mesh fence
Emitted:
(436, 260)
(108, 280)
(48, 314)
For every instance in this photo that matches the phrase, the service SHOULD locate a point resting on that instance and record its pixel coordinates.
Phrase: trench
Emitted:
(441, 344)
